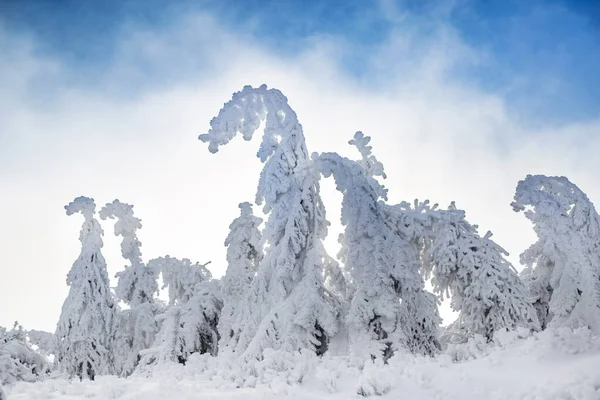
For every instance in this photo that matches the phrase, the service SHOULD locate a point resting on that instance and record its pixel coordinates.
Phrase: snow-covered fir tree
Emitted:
(287, 306)
(189, 323)
(200, 318)
(389, 308)
(563, 266)
(18, 359)
(244, 254)
(473, 272)
(137, 286)
(84, 330)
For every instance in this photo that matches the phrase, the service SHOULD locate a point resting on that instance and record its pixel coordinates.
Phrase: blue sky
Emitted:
(106, 99)
(541, 56)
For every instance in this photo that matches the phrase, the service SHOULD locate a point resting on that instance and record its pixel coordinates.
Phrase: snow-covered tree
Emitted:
(474, 273)
(287, 306)
(180, 277)
(389, 308)
(135, 330)
(200, 318)
(44, 341)
(563, 266)
(137, 286)
(244, 254)
(85, 326)
(18, 359)
(189, 323)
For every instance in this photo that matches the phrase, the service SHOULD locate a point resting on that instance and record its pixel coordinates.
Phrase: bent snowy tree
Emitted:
(189, 323)
(84, 330)
(287, 306)
(482, 285)
(389, 309)
(136, 284)
(563, 266)
(135, 328)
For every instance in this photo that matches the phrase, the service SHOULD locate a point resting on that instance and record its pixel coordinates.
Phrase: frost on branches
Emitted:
(244, 254)
(137, 286)
(287, 306)
(189, 324)
(85, 326)
(563, 266)
(482, 285)
(18, 360)
(388, 302)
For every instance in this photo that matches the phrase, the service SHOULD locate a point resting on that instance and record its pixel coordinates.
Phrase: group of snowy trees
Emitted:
(96, 336)
(300, 298)
(283, 292)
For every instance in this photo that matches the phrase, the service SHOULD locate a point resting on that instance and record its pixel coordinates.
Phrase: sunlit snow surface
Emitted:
(550, 365)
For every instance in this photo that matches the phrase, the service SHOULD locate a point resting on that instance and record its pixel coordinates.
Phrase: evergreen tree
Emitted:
(287, 306)
(18, 359)
(85, 326)
(563, 266)
(189, 323)
(137, 285)
(244, 254)
(483, 286)
(386, 311)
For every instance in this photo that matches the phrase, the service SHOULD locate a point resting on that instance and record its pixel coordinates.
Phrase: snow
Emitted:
(289, 321)
(554, 364)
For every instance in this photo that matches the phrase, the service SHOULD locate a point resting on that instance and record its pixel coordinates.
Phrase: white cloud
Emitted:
(439, 138)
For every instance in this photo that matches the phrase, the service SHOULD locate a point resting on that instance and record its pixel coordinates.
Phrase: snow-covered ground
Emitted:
(550, 365)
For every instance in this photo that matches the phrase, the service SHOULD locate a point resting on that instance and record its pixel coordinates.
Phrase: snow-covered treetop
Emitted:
(180, 276)
(246, 209)
(83, 205)
(556, 196)
(244, 237)
(137, 283)
(245, 112)
(91, 231)
(347, 172)
(126, 226)
(283, 147)
(369, 161)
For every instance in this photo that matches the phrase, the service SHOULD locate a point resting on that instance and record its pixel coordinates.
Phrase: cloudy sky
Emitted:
(106, 99)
